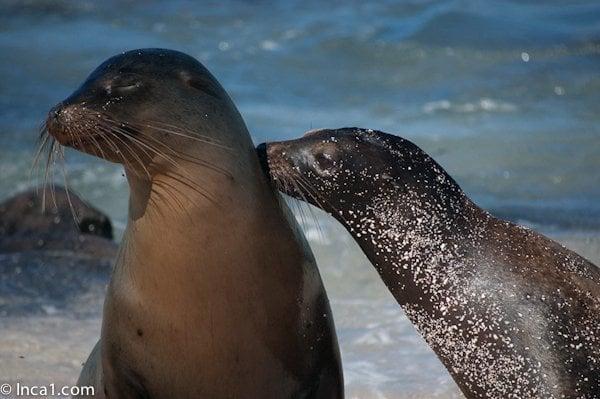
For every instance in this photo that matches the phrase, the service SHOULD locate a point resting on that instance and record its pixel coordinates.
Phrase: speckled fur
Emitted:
(510, 313)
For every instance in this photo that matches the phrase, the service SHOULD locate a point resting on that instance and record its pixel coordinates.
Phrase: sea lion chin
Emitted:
(509, 312)
(194, 308)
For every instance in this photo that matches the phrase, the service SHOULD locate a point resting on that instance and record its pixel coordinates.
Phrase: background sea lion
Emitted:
(508, 311)
(214, 292)
(53, 261)
(67, 224)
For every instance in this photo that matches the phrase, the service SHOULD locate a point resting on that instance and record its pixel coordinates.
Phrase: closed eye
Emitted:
(324, 160)
(124, 83)
(324, 164)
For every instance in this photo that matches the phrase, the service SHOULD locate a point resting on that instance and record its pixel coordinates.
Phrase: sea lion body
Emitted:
(214, 292)
(509, 312)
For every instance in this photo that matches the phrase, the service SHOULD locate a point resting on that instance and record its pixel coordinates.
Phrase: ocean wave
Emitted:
(482, 105)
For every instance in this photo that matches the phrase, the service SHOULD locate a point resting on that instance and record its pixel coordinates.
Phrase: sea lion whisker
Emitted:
(107, 133)
(113, 131)
(190, 158)
(181, 155)
(169, 129)
(155, 204)
(302, 189)
(316, 196)
(76, 136)
(298, 204)
(96, 144)
(36, 166)
(184, 129)
(192, 135)
(309, 189)
(165, 194)
(42, 130)
(168, 158)
(43, 142)
(305, 187)
(61, 153)
(50, 173)
(284, 184)
(44, 185)
(147, 146)
(160, 150)
(310, 209)
(131, 150)
(157, 188)
(46, 173)
(169, 187)
(191, 184)
(126, 162)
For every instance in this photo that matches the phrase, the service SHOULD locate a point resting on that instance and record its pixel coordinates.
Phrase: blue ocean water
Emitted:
(504, 94)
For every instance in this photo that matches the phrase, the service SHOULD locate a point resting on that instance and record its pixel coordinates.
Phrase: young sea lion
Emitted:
(214, 293)
(510, 313)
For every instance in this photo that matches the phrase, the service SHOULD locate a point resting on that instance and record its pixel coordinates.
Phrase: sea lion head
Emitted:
(338, 169)
(144, 108)
(325, 166)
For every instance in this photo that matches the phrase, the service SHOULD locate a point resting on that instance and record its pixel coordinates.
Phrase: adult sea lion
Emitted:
(214, 293)
(510, 313)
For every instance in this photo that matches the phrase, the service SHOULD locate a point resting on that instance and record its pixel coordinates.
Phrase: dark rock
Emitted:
(24, 226)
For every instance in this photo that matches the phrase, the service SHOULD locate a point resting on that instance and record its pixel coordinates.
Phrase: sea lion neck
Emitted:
(409, 221)
(178, 208)
(407, 202)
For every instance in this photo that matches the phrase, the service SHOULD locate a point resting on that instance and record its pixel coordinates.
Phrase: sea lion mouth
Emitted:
(86, 141)
(261, 150)
(80, 142)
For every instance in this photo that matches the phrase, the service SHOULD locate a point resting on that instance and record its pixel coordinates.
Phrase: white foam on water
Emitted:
(482, 105)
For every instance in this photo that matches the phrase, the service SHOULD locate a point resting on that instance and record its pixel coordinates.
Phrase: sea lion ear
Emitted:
(199, 83)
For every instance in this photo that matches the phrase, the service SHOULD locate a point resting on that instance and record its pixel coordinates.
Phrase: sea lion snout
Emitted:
(57, 123)
(272, 157)
(70, 125)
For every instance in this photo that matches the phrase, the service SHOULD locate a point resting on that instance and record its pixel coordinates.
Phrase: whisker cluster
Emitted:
(126, 142)
(288, 181)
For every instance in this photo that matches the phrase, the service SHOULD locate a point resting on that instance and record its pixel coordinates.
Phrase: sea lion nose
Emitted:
(55, 120)
(55, 112)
